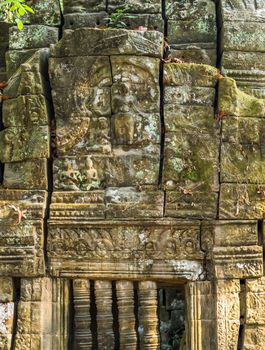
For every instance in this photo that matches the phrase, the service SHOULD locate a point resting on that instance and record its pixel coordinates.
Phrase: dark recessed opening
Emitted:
(171, 313)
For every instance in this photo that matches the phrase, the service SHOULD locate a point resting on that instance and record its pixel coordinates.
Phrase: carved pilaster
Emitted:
(148, 320)
(125, 296)
(42, 321)
(6, 312)
(200, 315)
(103, 292)
(227, 314)
(83, 337)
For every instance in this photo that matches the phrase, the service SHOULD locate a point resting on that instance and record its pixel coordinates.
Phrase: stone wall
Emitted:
(132, 165)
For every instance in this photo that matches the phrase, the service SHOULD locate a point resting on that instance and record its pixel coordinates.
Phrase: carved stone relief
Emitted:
(132, 167)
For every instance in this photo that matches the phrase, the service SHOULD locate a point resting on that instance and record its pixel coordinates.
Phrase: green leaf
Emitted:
(28, 8)
(20, 25)
(21, 11)
(13, 8)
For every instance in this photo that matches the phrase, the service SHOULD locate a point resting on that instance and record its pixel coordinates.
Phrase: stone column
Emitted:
(103, 292)
(148, 319)
(125, 296)
(83, 337)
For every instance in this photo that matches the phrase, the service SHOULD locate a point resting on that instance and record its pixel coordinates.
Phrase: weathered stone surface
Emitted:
(131, 250)
(128, 151)
(77, 205)
(141, 98)
(128, 202)
(135, 129)
(242, 201)
(19, 143)
(21, 227)
(200, 315)
(149, 20)
(189, 74)
(80, 19)
(244, 130)
(29, 174)
(190, 172)
(72, 6)
(191, 23)
(73, 105)
(228, 233)
(247, 68)
(109, 42)
(81, 136)
(189, 160)
(45, 12)
(243, 36)
(227, 313)
(32, 37)
(80, 72)
(242, 163)
(21, 251)
(194, 201)
(132, 167)
(233, 101)
(185, 95)
(6, 289)
(242, 11)
(14, 203)
(191, 163)
(6, 324)
(30, 77)
(25, 111)
(195, 54)
(196, 119)
(255, 301)
(135, 69)
(236, 255)
(254, 337)
(83, 173)
(43, 302)
(139, 6)
(99, 19)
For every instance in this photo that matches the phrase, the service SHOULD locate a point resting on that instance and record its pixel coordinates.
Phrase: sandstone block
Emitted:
(25, 110)
(128, 202)
(77, 205)
(30, 174)
(32, 37)
(82, 136)
(142, 6)
(242, 201)
(189, 74)
(72, 6)
(82, 173)
(19, 143)
(109, 42)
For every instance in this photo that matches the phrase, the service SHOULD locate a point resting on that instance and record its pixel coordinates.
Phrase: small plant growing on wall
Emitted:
(13, 11)
(116, 19)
